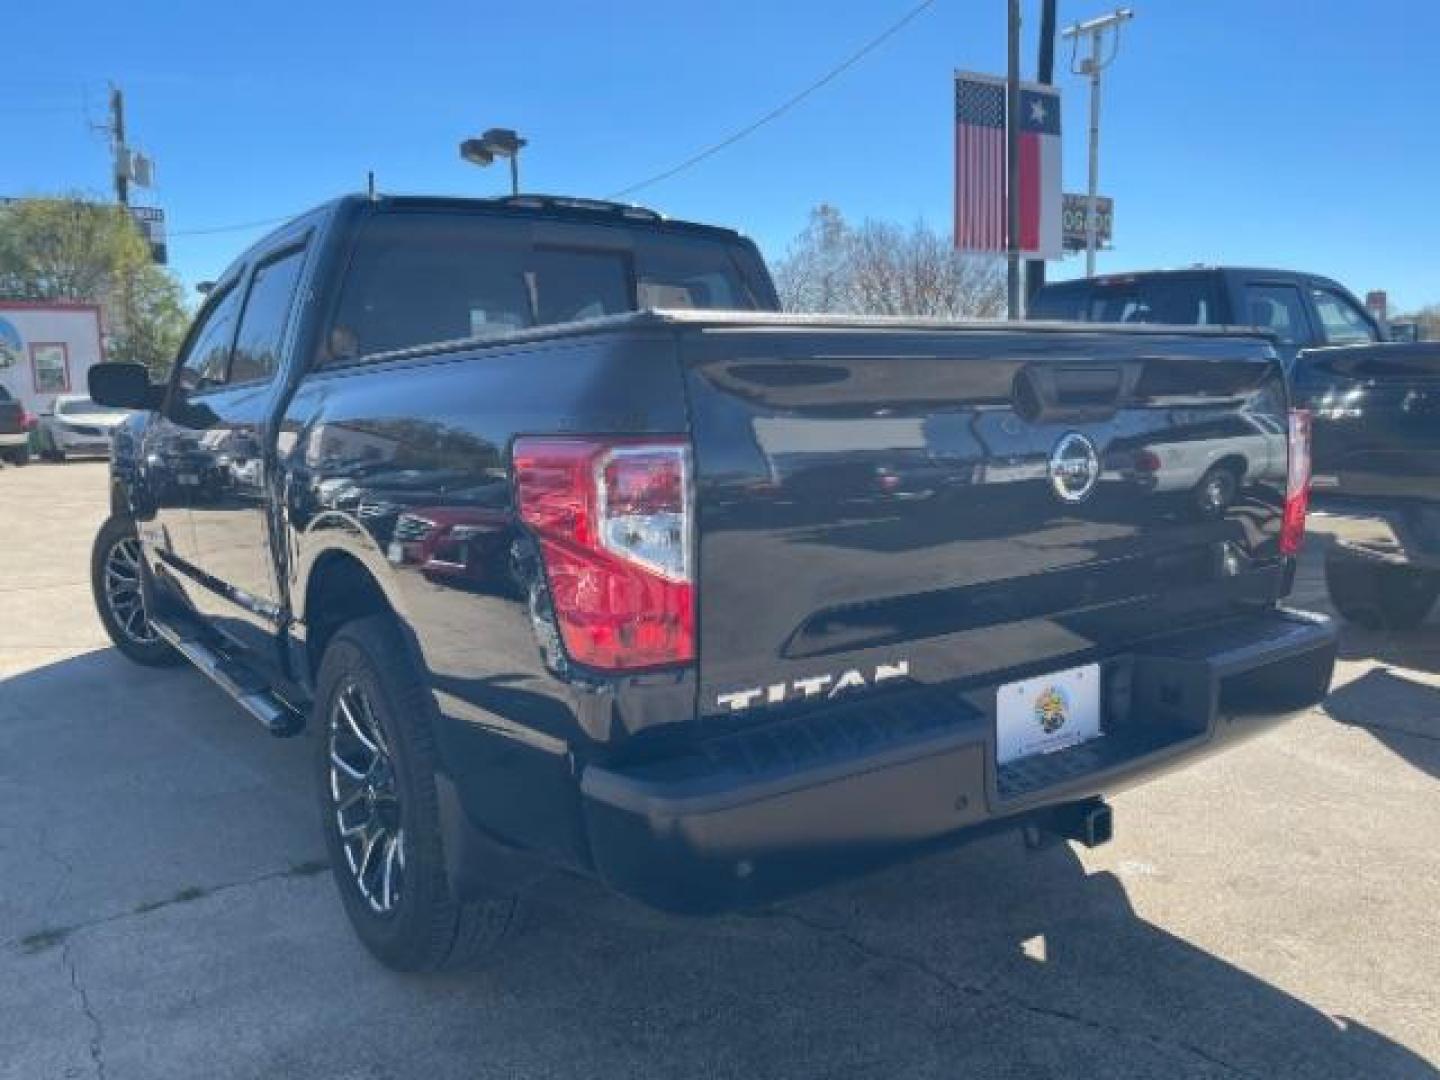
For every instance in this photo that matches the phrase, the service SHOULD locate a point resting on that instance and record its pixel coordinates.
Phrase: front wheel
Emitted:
(1380, 596)
(379, 808)
(115, 579)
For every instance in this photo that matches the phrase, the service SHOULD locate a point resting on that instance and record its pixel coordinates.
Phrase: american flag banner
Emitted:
(980, 167)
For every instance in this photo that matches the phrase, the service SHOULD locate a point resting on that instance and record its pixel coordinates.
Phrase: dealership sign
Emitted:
(1072, 217)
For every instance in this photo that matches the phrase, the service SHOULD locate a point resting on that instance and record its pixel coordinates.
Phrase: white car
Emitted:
(76, 425)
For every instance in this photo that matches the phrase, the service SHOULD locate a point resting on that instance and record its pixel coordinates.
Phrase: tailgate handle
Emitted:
(1080, 392)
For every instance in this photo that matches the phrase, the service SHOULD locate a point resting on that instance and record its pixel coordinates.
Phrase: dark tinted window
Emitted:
(4, 394)
(267, 309)
(1185, 301)
(1279, 309)
(208, 357)
(421, 278)
(1342, 321)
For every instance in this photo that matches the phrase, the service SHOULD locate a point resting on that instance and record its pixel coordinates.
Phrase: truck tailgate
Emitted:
(876, 500)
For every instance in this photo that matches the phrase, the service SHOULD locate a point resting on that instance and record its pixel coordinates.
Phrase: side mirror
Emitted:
(124, 386)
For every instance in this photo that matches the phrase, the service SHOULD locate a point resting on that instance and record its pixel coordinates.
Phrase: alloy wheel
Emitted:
(365, 798)
(123, 595)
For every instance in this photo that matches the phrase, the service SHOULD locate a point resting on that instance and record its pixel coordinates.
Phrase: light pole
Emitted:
(496, 142)
(1092, 65)
(1012, 163)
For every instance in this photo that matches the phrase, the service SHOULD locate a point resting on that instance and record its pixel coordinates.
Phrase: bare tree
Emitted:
(1428, 317)
(879, 268)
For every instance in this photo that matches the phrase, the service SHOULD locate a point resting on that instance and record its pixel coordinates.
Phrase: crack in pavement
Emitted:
(986, 995)
(97, 1030)
(40, 940)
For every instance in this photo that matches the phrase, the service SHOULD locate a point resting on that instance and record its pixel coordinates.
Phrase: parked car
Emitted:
(76, 425)
(1376, 412)
(1302, 310)
(15, 425)
(743, 602)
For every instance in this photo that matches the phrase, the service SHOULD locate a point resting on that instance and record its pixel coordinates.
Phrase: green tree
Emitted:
(155, 321)
(73, 248)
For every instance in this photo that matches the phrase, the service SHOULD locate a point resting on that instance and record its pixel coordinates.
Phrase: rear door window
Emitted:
(1279, 309)
(1342, 322)
(267, 310)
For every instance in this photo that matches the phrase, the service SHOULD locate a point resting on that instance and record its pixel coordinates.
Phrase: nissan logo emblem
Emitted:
(1074, 467)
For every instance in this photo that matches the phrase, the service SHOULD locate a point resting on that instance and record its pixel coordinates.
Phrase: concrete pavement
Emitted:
(1271, 912)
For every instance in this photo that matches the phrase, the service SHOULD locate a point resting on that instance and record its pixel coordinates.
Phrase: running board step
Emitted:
(248, 689)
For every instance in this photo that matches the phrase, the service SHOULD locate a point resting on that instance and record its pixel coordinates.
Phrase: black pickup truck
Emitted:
(1376, 412)
(710, 602)
(1300, 309)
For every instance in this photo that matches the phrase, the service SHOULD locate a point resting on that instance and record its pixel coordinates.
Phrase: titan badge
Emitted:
(816, 686)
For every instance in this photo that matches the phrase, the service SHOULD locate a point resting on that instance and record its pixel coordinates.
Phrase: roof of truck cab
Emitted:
(1260, 272)
(574, 208)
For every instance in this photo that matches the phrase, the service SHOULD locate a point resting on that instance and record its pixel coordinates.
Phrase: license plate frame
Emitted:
(1047, 713)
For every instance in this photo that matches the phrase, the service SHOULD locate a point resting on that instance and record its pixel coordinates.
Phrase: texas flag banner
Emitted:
(980, 167)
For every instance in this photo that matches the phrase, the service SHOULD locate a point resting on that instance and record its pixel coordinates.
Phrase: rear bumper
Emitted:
(10, 441)
(773, 810)
(1398, 532)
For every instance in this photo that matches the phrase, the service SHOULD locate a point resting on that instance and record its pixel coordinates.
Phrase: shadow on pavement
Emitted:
(1401, 712)
(998, 961)
(985, 960)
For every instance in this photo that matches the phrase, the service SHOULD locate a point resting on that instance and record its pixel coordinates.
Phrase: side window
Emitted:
(267, 310)
(206, 360)
(1342, 321)
(1279, 309)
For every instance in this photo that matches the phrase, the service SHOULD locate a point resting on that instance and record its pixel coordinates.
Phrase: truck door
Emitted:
(177, 460)
(233, 561)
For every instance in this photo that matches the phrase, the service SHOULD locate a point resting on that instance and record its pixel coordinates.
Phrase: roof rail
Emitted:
(572, 202)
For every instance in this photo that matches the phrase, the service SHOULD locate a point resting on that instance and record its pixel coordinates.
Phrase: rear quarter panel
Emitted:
(405, 467)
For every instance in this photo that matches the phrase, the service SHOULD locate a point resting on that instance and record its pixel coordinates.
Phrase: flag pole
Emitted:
(1012, 167)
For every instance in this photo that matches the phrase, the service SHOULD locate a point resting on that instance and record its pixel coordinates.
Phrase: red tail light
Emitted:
(613, 521)
(27, 419)
(1297, 484)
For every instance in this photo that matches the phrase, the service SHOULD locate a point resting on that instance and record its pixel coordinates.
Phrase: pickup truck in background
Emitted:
(1301, 310)
(712, 603)
(1376, 412)
(15, 425)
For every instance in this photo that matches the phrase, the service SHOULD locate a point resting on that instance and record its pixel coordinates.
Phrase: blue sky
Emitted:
(1278, 132)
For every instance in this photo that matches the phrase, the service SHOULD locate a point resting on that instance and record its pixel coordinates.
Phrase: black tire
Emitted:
(18, 456)
(1217, 490)
(115, 577)
(1380, 596)
(415, 923)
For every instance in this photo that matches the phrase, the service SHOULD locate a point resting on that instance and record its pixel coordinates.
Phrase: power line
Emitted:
(785, 106)
(211, 230)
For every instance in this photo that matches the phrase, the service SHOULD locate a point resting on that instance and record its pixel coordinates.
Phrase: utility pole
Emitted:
(1092, 65)
(117, 145)
(1012, 169)
(1045, 76)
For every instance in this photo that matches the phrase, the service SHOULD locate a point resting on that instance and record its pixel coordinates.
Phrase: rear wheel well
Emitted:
(339, 591)
(1234, 462)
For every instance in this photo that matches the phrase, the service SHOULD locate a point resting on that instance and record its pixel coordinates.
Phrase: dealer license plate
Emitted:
(1047, 713)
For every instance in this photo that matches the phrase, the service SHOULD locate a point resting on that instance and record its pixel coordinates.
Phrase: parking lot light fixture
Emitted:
(496, 143)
